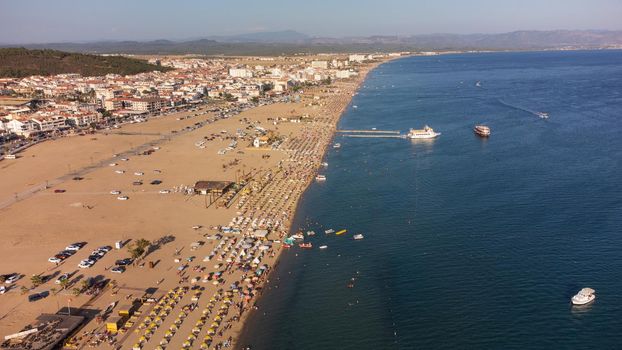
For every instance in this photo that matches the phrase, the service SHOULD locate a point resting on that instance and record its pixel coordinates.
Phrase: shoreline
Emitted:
(277, 261)
(281, 176)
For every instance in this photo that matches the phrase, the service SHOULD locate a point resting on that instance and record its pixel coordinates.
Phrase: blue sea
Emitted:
(470, 243)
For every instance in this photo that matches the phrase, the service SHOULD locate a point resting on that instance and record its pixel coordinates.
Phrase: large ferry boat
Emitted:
(482, 130)
(425, 133)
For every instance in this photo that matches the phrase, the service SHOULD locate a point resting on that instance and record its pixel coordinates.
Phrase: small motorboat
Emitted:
(324, 164)
(358, 237)
(329, 231)
(320, 178)
(298, 236)
(339, 233)
(543, 115)
(310, 233)
(337, 145)
(285, 245)
(482, 130)
(2, 289)
(585, 296)
(306, 245)
(323, 246)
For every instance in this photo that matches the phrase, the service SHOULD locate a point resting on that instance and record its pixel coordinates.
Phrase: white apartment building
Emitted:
(240, 73)
(85, 119)
(344, 74)
(20, 127)
(48, 123)
(357, 58)
(150, 105)
(319, 64)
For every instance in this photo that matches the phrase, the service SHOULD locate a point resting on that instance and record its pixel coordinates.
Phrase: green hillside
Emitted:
(20, 62)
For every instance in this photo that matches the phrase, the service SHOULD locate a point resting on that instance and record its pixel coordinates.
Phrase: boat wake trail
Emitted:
(519, 108)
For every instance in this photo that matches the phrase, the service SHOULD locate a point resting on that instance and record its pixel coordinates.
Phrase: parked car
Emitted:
(38, 296)
(75, 246)
(60, 191)
(55, 260)
(123, 262)
(156, 182)
(164, 191)
(12, 278)
(115, 192)
(61, 278)
(78, 178)
(123, 198)
(118, 269)
(86, 263)
(137, 183)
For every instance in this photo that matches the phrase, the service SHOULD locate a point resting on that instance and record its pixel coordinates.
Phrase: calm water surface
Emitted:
(469, 243)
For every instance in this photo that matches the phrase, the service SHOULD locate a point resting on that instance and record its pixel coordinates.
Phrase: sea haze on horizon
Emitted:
(42, 21)
(469, 242)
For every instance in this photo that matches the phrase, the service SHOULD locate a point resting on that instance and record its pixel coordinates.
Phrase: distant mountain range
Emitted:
(292, 42)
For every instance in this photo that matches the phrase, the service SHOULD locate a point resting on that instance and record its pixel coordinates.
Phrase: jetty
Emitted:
(377, 136)
(396, 132)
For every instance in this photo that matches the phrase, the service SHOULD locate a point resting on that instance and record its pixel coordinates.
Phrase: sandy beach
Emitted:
(205, 290)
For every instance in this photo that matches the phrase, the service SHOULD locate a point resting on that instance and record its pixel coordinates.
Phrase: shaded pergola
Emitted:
(212, 189)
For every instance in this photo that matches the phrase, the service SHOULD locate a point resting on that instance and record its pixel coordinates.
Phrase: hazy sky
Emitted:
(39, 21)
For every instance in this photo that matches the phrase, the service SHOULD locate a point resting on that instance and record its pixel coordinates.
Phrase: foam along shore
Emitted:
(203, 278)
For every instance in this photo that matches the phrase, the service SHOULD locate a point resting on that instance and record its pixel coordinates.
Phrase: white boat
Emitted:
(323, 246)
(324, 164)
(355, 106)
(425, 133)
(358, 237)
(320, 178)
(482, 130)
(310, 233)
(329, 231)
(3, 288)
(543, 115)
(585, 296)
(337, 145)
(298, 236)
